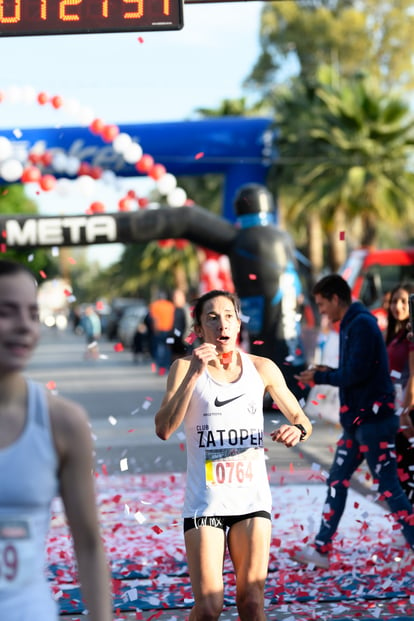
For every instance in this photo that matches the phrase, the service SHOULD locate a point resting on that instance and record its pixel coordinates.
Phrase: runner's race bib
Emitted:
(232, 467)
(17, 553)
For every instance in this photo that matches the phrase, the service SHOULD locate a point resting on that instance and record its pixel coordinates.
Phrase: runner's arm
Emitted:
(182, 379)
(285, 400)
(75, 448)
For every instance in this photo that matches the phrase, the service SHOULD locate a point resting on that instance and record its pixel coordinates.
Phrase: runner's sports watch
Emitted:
(303, 432)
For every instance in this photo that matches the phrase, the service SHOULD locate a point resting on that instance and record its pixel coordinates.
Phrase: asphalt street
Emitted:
(121, 399)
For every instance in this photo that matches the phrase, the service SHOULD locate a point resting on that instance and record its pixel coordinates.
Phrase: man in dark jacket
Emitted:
(366, 415)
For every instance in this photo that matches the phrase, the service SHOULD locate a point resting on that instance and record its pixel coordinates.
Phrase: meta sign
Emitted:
(72, 231)
(53, 17)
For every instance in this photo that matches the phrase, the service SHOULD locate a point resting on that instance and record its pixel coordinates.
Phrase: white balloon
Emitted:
(108, 177)
(86, 185)
(5, 148)
(59, 161)
(72, 165)
(86, 116)
(211, 268)
(166, 184)
(11, 170)
(72, 107)
(63, 187)
(177, 197)
(133, 153)
(121, 143)
(14, 94)
(28, 95)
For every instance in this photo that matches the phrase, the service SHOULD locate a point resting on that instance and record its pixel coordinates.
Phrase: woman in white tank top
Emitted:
(45, 449)
(217, 393)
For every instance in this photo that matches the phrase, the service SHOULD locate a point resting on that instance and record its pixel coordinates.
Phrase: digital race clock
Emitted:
(49, 17)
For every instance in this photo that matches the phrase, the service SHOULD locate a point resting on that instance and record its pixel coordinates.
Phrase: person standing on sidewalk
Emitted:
(91, 325)
(45, 450)
(401, 362)
(217, 393)
(367, 415)
(161, 317)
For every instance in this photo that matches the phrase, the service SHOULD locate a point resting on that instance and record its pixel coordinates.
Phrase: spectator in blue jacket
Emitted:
(367, 415)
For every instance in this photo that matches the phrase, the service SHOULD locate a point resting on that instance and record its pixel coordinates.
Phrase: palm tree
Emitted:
(351, 147)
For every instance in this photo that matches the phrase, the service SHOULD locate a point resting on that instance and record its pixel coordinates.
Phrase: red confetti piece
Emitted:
(199, 155)
(3, 248)
(118, 347)
(140, 40)
(43, 274)
(341, 235)
(156, 529)
(191, 338)
(51, 385)
(72, 260)
(252, 277)
(67, 292)
(258, 342)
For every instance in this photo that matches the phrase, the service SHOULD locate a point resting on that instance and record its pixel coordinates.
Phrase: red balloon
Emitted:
(31, 174)
(95, 172)
(124, 204)
(166, 243)
(35, 158)
(143, 202)
(57, 101)
(47, 182)
(109, 132)
(84, 169)
(96, 126)
(42, 98)
(157, 171)
(145, 163)
(97, 207)
(46, 159)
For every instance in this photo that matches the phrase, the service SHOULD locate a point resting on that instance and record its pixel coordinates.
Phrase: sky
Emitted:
(132, 77)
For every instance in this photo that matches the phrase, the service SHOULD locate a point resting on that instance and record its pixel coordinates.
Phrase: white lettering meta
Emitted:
(50, 231)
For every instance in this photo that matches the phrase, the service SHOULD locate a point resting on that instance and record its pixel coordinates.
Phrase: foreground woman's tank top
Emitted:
(28, 484)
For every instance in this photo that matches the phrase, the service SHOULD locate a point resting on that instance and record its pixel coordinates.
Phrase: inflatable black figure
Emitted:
(262, 258)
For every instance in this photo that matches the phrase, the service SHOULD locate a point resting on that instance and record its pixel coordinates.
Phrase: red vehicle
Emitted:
(372, 273)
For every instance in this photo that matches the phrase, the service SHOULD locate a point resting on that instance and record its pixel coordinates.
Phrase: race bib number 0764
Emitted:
(226, 467)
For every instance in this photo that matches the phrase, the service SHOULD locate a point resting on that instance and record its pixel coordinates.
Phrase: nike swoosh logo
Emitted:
(218, 403)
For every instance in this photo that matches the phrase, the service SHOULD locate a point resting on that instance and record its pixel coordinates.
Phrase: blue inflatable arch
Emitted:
(239, 148)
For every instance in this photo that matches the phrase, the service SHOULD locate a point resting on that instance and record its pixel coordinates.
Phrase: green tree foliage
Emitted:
(371, 36)
(346, 148)
(13, 201)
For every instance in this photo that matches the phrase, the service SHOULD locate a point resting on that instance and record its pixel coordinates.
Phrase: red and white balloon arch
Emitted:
(29, 167)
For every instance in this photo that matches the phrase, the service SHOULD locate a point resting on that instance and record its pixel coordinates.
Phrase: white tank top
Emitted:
(226, 469)
(28, 484)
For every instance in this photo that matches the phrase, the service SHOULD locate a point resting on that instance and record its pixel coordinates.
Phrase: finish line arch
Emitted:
(239, 148)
